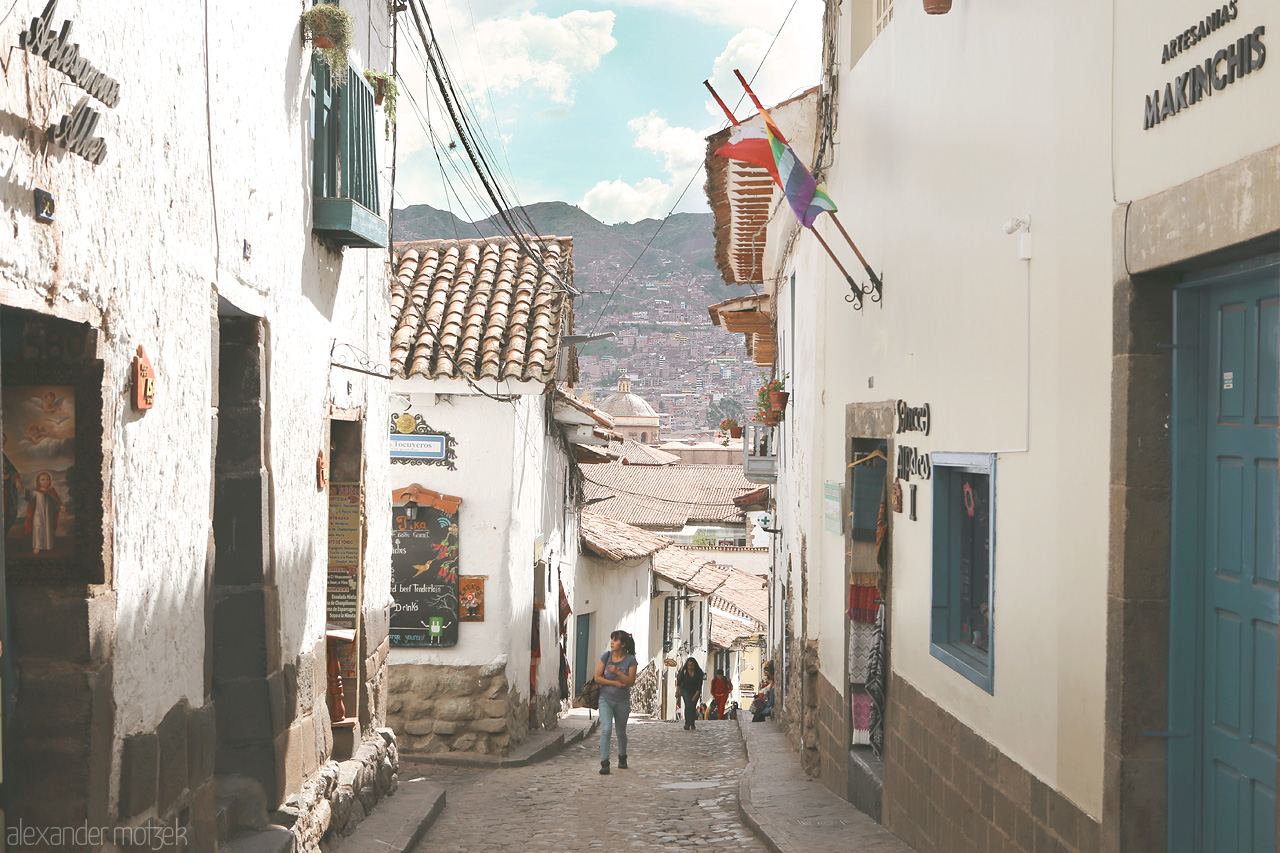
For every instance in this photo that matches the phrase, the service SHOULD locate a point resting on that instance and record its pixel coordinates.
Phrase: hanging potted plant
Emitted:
(765, 413)
(776, 395)
(384, 95)
(329, 29)
(937, 7)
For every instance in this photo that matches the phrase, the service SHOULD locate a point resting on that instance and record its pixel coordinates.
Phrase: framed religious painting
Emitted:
(52, 473)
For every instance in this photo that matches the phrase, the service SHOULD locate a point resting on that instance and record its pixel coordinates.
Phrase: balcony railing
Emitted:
(760, 453)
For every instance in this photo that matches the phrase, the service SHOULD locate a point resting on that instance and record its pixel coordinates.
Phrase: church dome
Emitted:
(622, 403)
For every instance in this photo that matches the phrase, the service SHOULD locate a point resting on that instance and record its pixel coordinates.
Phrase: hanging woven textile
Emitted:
(875, 685)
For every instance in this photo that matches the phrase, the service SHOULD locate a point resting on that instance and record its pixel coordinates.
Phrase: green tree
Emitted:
(726, 407)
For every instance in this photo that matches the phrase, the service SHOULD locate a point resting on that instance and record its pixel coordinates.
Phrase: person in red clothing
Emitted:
(720, 689)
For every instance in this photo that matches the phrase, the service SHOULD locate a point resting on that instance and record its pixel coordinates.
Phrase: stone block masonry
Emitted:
(341, 794)
(435, 709)
(948, 790)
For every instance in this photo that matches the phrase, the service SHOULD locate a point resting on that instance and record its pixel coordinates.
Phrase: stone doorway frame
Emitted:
(1155, 240)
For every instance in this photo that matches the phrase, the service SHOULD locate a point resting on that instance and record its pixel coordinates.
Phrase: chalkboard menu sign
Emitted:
(424, 574)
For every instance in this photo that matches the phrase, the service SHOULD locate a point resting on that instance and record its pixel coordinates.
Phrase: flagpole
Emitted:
(875, 279)
(852, 284)
(727, 111)
(768, 119)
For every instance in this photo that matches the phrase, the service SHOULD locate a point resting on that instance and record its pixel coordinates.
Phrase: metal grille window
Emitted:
(882, 15)
(344, 166)
(963, 564)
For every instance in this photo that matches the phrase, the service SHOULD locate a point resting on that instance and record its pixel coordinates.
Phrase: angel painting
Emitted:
(39, 470)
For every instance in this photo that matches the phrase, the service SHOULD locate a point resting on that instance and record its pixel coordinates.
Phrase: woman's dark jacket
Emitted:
(690, 683)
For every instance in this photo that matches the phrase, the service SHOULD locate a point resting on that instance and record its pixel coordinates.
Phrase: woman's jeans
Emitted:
(690, 702)
(609, 712)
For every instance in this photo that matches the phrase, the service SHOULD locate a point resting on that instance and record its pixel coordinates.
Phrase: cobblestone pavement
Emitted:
(680, 792)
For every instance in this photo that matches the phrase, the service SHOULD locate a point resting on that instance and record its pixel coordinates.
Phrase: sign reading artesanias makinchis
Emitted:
(1232, 62)
(424, 569)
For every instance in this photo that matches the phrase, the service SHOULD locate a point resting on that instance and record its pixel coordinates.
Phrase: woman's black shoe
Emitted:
(604, 768)
(622, 762)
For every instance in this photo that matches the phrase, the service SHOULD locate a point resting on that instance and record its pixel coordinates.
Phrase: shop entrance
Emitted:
(1225, 583)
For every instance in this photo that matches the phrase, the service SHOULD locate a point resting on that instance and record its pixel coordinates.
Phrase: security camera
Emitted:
(1016, 223)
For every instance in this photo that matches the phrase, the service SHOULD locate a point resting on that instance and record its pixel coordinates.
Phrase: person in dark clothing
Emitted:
(688, 689)
(762, 706)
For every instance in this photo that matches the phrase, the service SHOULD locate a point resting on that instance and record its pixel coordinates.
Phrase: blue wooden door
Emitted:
(1240, 608)
(583, 653)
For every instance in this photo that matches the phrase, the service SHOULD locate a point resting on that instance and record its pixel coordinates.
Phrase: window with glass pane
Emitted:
(963, 564)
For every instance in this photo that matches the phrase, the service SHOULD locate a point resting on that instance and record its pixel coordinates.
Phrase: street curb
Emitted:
(548, 750)
(745, 807)
(409, 840)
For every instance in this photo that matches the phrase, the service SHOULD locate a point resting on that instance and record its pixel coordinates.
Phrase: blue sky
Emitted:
(597, 103)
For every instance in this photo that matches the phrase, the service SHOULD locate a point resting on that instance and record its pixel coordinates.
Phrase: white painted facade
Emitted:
(949, 126)
(202, 204)
(518, 507)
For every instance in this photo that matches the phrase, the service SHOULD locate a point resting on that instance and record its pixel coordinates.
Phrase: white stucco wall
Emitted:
(483, 429)
(511, 474)
(619, 596)
(206, 150)
(948, 127)
(1220, 129)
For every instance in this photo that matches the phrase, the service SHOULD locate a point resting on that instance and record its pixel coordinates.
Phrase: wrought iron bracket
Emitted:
(875, 290)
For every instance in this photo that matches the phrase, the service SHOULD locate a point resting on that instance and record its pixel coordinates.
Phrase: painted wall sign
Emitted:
(415, 442)
(471, 591)
(913, 418)
(912, 461)
(1215, 73)
(144, 381)
(424, 577)
(73, 132)
(342, 599)
(419, 447)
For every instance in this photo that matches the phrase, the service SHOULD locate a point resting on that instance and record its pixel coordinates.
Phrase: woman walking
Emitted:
(720, 689)
(616, 672)
(689, 687)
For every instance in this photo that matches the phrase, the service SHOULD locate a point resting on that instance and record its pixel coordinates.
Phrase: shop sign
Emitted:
(424, 577)
(1215, 73)
(912, 461)
(415, 442)
(913, 418)
(73, 132)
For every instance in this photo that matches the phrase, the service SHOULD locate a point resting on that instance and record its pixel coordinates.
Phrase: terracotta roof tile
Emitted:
(479, 309)
(684, 569)
(668, 496)
(635, 453)
(617, 541)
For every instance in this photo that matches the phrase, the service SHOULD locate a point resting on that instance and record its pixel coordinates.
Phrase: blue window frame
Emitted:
(964, 564)
(344, 163)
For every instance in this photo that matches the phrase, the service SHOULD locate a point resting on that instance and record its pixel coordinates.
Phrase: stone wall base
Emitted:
(341, 794)
(439, 708)
(948, 790)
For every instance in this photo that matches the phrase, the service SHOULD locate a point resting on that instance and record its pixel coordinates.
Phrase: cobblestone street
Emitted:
(680, 791)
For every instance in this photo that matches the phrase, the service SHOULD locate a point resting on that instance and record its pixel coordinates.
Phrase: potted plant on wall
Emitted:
(330, 29)
(937, 7)
(384, 95)
(776, 395)
(731, 426)
(765, 413)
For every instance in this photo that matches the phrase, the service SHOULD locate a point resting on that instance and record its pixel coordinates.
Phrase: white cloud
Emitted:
(511, 48)
(729, 13)
(682, 150)
(680, 147)
(618, 201)
(792, 65)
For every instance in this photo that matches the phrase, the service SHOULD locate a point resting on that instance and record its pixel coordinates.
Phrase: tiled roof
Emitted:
(634, 453)
(743, 198)
(479, 309)
(739, 608)
(687, 570)
(745, 593)
(727, 628)
(668, 496)
(597, 415)
(617, 541)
